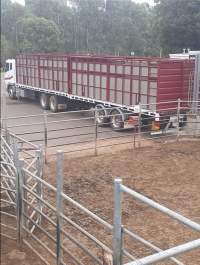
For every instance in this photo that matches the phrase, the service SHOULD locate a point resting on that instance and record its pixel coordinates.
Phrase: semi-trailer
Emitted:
(118, 87)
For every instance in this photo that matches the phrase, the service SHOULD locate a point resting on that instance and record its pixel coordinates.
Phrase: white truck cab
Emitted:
(10, 72)
(187, 54)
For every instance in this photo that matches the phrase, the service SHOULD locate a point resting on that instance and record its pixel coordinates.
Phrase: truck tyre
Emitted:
(11, 92)
(117, 119)
(183, 121)
(101, 115)
(44, 101)
(53, 103)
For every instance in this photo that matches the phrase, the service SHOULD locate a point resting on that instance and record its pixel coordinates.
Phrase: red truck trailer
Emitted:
(114, 85)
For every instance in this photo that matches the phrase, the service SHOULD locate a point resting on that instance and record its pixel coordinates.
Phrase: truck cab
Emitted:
(10, 72)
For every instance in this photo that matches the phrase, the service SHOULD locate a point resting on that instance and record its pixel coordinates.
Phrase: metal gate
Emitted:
(41, 220)
(119, 251)
(8, 189)
(13, 149)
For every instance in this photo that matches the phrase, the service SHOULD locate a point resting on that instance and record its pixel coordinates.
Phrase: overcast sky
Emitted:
(151, 2)
(138, 1)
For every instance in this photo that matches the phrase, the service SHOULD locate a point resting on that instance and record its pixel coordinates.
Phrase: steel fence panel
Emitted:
(26, 191)
(162, 254)
(176, 120)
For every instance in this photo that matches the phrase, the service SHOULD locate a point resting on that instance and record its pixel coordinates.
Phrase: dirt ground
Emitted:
(11, 255)
(167, 173)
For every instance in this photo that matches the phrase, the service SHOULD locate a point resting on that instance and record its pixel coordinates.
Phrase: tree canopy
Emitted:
(37, 34)
(178, 24)
(99, 26)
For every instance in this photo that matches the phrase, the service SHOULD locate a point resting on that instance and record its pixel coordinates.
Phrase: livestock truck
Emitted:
(120, 88)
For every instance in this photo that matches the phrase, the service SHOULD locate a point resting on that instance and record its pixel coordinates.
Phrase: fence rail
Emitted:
(81, 132)
(41, 221)
(119, 230)
(12, 147)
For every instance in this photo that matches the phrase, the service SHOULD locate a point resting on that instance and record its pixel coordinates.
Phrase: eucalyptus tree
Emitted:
(38, 35)
(178, 24)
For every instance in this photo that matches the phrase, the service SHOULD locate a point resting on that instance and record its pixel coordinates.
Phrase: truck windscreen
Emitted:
(7, 67)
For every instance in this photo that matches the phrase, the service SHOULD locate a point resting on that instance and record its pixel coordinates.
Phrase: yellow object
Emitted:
(155, 126)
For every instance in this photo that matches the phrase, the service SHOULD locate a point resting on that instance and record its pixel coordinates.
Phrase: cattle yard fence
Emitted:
(13, 149)
(56, 227)
(79, 131)
(121, 231)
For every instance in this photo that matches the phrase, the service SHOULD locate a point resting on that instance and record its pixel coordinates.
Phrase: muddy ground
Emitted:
(167, 173)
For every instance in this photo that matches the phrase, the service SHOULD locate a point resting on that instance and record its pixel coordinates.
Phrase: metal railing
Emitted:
(53, 213)
(120, 231)
(45, 225)
(39, 210)
(13, 148)
(8, 190)
(79, 131)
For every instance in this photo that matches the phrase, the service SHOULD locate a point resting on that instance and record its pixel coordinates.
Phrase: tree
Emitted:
(178, 24)
(88, 23)
(10, 13)
(99, 26)
(37, 35)
(127, 26)
(7, 49)
(60, 13)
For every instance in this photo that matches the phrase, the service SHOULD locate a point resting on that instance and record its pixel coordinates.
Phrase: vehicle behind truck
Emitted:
(119, 88)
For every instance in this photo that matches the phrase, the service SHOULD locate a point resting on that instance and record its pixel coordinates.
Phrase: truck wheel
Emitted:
(12, 92)
(44, 101)
(183, 121)
(101, 115)
(117, 119)
(53, 103)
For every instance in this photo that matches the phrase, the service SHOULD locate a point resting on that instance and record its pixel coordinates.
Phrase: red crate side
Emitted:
(173, 82)
(149, 80)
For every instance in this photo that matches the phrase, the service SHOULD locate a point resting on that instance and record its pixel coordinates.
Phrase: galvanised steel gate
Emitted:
(120, 231)
(77, 132)
(43, 217)
(13, 149)
(8, 189)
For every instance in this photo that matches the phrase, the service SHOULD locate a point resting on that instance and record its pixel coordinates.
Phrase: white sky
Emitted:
(151, 2)
(19, 1)
(138, 1)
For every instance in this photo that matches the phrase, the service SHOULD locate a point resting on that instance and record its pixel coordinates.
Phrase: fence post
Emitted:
(6, 131)
(140, 124)
(59, 206)
(8, 137)
(39, 173)
(25, 197)
(178, 117)
(19, 163)
(8, 141)
(45, 137)
(134, 132)
(21, 196)
(96, 132)
(117, 229)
